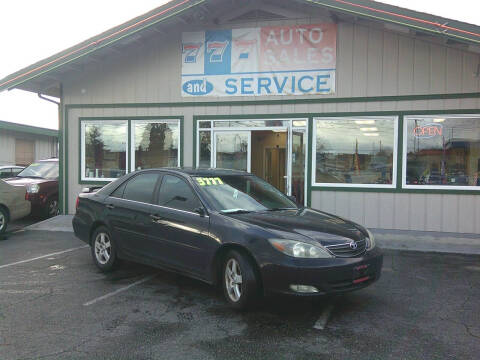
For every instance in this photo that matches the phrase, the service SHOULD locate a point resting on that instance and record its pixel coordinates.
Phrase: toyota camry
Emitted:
(225, 227)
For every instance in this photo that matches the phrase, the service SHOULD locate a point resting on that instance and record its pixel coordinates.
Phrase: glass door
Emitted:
(298, 161)
(232, 150)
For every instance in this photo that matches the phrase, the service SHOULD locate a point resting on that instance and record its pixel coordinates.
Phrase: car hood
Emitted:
(27, 181)
(316, 225)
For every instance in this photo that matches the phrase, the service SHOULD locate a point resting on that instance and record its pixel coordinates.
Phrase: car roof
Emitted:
(190, 171)
(11, 166)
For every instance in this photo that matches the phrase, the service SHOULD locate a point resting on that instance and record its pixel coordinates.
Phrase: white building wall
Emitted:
(370, 62)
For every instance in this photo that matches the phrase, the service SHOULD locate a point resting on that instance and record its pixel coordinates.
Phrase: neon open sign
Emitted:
(428, 131)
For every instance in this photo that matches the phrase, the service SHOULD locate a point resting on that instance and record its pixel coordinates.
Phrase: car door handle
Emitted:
(155, 218)
(110, 206)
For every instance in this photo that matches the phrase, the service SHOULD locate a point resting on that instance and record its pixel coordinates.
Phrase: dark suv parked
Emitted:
(41, 181)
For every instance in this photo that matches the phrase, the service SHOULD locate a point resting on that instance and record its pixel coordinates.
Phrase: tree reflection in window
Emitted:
(105, 150)
(156, 145)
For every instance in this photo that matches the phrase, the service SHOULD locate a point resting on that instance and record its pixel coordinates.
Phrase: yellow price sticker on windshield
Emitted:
(205, 181)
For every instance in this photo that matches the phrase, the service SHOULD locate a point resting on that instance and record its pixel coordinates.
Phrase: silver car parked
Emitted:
(13, 205)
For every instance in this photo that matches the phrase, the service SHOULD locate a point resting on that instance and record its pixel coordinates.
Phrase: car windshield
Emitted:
(242, 193)
(44, 170)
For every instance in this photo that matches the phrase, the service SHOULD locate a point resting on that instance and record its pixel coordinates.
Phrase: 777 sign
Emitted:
(216, 49)
(191, 51)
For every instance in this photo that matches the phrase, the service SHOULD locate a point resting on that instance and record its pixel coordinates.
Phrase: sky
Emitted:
(50, 26)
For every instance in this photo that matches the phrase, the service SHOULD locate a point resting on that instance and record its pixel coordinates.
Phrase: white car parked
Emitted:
(13, 205)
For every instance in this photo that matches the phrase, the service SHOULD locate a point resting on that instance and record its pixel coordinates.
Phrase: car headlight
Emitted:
(299, 249)
(370, 240)
(33, 188)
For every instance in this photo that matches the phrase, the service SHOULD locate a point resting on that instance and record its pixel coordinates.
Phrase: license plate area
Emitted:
(361, 273)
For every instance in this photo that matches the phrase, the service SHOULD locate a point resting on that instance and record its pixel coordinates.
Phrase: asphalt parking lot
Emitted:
(55, 304)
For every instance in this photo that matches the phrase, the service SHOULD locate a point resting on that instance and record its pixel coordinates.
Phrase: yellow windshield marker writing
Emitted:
(209, 181)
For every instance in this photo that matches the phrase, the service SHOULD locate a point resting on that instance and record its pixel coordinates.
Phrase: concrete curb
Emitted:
(57, 223)
(428, 241)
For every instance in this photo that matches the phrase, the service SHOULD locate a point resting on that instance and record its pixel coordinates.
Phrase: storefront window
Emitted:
(155, 144)
(355, 151)
(104, 149)
(442, 151)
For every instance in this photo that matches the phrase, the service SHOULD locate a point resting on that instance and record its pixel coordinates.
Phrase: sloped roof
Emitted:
(5, 125)
(422, 22)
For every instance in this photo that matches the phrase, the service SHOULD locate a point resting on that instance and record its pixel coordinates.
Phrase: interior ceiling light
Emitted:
(369, 129)
(364, 122)
(438, 120)
(371, 134)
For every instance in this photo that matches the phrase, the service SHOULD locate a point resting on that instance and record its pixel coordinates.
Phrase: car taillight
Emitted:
(76, 204)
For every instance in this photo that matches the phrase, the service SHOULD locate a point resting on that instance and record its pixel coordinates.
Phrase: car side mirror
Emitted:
(200, 211)
(293, 198)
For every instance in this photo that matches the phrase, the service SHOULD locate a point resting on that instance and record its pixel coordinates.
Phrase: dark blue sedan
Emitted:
(225, 227)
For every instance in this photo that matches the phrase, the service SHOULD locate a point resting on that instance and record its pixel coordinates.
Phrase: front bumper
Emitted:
(328, 276)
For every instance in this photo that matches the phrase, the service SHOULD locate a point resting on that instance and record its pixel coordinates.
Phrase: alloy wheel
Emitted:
(233, 280)
(53, 208)
(3, 221)
(103, 248)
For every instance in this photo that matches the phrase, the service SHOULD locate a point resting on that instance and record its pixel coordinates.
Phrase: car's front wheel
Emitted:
(103, 248)
(3, 220)
(240, 283)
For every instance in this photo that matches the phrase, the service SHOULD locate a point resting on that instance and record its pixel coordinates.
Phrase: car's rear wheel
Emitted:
(104, 251)
(3, 220)
(240, 283)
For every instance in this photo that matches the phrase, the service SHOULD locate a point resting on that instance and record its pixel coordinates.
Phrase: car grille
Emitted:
(345, 250)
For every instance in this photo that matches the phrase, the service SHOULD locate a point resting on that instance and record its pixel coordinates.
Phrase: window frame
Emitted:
(153, 121)
(445, 188)
(83, 123)
(393, 185)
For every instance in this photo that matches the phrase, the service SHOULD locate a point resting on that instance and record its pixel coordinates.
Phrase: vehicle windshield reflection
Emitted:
(242, 194)
(41, 170)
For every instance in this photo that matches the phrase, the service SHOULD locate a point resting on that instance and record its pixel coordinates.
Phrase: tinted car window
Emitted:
(16, 171)
(141, 187)
(118, 193)
(176, 193)
(5, 173)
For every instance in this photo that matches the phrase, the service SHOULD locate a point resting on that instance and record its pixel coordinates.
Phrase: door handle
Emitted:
(110, 206)
(155, 218)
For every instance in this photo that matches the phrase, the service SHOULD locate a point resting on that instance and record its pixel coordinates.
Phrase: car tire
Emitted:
(103, 249)
(3, 220)
(51, 208)
(239, 281)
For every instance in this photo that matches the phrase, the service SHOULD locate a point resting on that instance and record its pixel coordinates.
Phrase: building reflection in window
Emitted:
(355, 150)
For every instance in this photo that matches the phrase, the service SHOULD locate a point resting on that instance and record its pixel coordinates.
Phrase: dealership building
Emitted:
(357, 108)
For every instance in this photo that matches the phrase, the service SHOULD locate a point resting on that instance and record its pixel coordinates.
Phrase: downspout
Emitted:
(60, 147)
